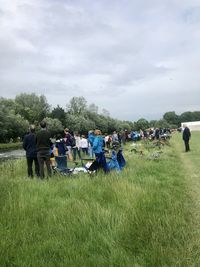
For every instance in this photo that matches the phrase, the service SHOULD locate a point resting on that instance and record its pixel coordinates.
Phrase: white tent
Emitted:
(192, 125)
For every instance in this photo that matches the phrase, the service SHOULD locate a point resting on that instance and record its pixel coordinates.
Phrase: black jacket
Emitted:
(29, 145)
(43, 141)
(186, 134)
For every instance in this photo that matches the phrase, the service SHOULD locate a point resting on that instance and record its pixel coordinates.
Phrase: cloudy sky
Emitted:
(135, 58)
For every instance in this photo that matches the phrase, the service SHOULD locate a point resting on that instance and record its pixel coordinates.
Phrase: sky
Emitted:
(136, 58)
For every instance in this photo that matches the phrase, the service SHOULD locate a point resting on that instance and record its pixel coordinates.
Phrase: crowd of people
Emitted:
(42, 149)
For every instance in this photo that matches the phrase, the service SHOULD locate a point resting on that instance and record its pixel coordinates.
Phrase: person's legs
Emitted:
(41, 164)
(100, 157)
(69, 153)
(85, 150)
(74, 153)
(79, 153)
(187, 148)
(29, 166)
(48, 164)
(37, 170)
(103, 163)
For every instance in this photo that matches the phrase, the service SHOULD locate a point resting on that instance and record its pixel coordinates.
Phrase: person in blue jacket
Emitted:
(98, 144)
(91, 137)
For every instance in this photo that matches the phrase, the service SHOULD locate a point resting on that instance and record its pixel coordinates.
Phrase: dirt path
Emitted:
(191, 167)
(193, 174)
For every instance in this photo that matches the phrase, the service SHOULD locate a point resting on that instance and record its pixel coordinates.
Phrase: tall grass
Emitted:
(140, 217)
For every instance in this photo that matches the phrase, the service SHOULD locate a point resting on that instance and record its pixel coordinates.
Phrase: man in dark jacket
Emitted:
(43, 144)
(31, 153)
(186, 137)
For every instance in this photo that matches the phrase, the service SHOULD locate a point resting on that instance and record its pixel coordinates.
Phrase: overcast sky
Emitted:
(135, 58)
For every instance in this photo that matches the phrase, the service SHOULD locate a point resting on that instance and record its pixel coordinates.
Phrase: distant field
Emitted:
(148, 215)
(10, 146)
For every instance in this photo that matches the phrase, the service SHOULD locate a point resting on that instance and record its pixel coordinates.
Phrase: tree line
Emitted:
(17, 114)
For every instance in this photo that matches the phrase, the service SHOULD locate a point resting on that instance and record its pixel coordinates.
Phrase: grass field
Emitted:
(10, 146)
(148, 215)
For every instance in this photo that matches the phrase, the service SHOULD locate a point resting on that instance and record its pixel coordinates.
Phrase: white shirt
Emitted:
(83, 143)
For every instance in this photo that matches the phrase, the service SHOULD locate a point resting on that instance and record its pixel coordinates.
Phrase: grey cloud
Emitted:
(117, 55)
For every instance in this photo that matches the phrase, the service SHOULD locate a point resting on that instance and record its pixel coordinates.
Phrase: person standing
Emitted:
(186, 137)
(76, 148)
(68, 142)
(115, 137)
(29, 146)
(91, 137)
(98, 150)
(84, 145)
(43, 145)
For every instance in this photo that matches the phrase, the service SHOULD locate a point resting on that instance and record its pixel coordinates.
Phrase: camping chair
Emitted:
(91, 166)
(61, 166)
(117, 161)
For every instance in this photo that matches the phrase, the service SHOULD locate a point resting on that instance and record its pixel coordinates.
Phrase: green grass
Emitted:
(10, 146)
(144, 216)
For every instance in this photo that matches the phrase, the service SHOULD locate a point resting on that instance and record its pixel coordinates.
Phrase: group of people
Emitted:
(155, 133)
(37, 146)
(42, 149)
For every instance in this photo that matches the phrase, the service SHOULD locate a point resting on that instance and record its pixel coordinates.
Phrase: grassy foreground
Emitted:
(145, 216)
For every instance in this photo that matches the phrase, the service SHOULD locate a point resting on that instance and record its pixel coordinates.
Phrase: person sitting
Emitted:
(61, 147)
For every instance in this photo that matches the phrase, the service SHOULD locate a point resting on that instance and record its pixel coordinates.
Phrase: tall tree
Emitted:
(77, 105)
(162, 123)
(171, 118)
(93, 108)
(54, 126)
(196, 115)
(32, 107)
(105, 112)
(141, 124)
(59, 113)
(186, 116)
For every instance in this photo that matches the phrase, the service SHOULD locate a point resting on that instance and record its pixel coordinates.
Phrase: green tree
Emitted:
(152, 123)
(58, 113)
(141, 124)
(186, 116)
(93, 108)
(11, 125)
(54, 125)
(77, 105)
(79, 123)
(171, 118)
(32, 107)
(162, 123)
(196, 115)
(105, 112)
